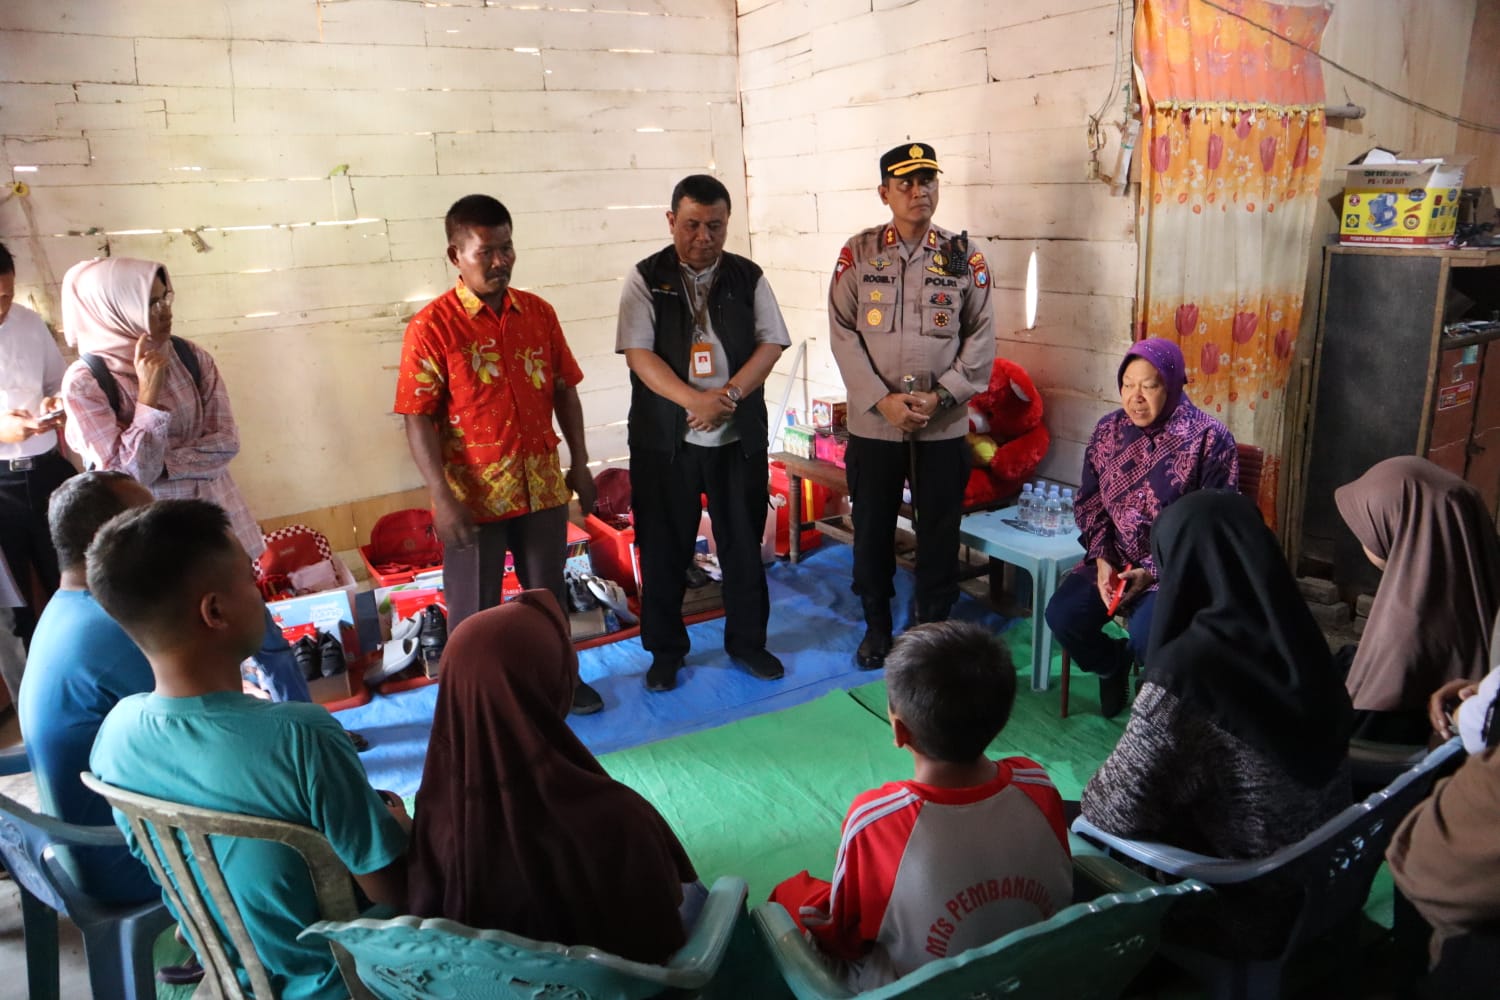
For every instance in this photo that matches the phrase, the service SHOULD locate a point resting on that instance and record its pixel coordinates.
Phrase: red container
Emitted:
(403, 537)
(814, 502)
(610, 549)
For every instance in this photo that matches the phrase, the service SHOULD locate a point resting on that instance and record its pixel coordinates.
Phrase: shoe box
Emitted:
(327, 610)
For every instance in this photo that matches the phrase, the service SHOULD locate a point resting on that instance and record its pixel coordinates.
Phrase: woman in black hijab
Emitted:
(1237, 741)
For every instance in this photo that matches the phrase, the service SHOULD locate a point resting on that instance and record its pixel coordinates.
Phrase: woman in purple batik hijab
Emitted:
(1157, 447)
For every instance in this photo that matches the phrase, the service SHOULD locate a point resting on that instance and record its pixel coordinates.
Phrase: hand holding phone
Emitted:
(1118, 583)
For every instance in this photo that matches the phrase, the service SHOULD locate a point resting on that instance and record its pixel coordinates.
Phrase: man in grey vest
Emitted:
(700, 330)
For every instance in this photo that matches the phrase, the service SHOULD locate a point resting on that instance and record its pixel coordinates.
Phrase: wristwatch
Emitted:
(733, 392)
(946, 399)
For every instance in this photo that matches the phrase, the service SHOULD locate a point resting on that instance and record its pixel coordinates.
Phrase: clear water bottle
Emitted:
(1023, 503)
(1052, 513)
(1068, 521)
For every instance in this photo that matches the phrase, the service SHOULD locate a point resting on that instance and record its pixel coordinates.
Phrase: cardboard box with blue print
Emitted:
(325, 609)
(1393, 201)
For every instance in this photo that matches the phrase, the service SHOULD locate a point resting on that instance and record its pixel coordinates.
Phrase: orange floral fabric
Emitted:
(1232, 145)
(489, 380)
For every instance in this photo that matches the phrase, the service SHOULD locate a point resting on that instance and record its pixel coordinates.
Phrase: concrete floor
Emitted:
(73, 972)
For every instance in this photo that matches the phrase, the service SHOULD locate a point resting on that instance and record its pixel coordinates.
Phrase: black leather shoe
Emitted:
(936, 612)
(331, 655)
(663, 673)
(873, 648)
(1113, 692)
(308, 656)
(586, 701)
(760, 663)
(432, 637)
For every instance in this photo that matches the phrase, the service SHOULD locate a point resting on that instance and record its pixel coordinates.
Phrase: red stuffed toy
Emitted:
(1007, 439)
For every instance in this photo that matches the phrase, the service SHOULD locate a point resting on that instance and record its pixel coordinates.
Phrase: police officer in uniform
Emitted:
(914, 338)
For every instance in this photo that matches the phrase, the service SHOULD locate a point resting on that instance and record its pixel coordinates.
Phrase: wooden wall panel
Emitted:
(1002, 91)
(313, 147)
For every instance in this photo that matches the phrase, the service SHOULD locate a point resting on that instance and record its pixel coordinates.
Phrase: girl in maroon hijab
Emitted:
(518, 828)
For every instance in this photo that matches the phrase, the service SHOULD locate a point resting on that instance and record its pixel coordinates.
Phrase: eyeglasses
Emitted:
(161, 305)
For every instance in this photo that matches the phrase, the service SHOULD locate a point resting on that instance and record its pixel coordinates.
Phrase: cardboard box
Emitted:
(830, 412)
(798, 440)
(575, 562)
(327, 611)
(831, 447)
(1389, 201)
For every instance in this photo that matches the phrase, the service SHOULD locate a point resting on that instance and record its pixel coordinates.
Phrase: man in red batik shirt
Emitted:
(483, 368)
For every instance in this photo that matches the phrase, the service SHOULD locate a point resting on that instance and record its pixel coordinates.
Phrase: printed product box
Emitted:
(831, 447)
(1389, 201)
(576, 562)
(327, 611)
(830, 413)
(798, 441)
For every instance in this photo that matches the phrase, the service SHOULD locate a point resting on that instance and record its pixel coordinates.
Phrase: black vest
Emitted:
(657, 423)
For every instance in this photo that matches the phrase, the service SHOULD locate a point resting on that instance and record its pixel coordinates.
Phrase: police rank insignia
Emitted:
(939, 264)
(941, 299)
(846, 261)
(873, 317)
(877, 296)
(940, 319)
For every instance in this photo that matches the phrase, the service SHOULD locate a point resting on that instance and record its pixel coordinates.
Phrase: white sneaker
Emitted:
(612, 596)
(397, 655)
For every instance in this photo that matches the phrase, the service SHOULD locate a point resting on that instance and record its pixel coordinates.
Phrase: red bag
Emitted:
(288, 550)
(405, 540)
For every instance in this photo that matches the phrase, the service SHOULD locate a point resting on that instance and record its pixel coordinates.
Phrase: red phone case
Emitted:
(1119, 595)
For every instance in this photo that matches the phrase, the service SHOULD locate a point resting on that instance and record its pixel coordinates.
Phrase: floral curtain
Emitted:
(1232, 141)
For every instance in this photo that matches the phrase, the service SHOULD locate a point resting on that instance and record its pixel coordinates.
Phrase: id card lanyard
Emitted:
(701, 361)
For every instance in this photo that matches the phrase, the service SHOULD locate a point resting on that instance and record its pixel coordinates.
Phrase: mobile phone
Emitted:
(55, 417)
(1119, 592)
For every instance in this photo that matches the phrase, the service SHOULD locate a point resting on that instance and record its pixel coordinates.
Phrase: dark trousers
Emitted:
(877, 471)
(24, 537)
(473, 575)
(664, 495)
(1077, 616)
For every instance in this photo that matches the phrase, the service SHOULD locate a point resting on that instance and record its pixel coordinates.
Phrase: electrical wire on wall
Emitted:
(1096, 139)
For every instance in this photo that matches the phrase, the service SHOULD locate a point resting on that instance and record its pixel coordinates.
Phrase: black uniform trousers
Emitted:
(665, 492)
(24, 536)
(877, 471)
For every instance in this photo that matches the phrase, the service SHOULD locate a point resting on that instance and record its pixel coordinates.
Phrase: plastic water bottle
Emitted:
(1067, 512)
(1052, 513)
(1024, 503)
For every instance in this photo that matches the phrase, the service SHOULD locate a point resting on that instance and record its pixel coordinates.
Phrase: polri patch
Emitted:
(941, 299)
(845, 261)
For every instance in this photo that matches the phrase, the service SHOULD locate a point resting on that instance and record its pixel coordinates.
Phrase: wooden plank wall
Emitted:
(1003, 91)
(314, 147)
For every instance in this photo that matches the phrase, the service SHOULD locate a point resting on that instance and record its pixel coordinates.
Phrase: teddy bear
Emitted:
(1007, 439)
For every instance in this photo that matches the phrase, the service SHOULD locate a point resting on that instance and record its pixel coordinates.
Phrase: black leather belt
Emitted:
(25, 464)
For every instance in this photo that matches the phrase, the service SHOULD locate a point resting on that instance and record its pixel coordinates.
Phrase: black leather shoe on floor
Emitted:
(1113, 692)
(586, 701)
(308, 656)
(331, 655)
(873, 648)
(760, 663)
(663, 673)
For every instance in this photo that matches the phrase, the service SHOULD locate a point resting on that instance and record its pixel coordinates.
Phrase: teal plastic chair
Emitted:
(409, 958)
(1089, 950)
(1332, 869)
(117, 938)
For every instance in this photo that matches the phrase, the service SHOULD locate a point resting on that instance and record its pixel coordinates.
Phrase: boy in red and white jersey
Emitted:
(967, 851)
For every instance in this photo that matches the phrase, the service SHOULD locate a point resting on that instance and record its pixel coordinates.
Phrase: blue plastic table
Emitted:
(1046, 558)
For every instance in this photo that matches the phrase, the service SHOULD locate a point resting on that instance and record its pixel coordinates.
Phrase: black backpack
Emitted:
(106, 378)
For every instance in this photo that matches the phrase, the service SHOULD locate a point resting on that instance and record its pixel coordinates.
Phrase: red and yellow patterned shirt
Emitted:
(489, 379)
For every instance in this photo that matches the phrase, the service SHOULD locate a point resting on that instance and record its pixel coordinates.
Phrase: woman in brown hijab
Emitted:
(1430, 533)
(518, 828)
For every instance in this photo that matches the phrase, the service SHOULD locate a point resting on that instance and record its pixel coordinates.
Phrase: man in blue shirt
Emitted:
(177, 580)
(81, 664)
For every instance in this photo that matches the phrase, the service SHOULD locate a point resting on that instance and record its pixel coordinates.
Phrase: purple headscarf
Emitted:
(1166, 358)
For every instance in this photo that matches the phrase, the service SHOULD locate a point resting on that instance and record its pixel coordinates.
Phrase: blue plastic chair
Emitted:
(409, 958)
(1089, 950)
(1332, 868)
(117, 938)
